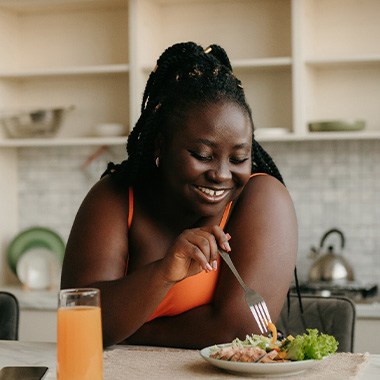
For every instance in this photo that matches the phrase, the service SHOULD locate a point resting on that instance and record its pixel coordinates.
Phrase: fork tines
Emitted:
(261, 314)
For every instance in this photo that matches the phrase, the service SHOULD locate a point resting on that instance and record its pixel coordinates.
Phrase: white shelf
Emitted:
(362, 60)
(74, 141)
(66, 71)
(33, 6)
(262, 63)
(122, 140)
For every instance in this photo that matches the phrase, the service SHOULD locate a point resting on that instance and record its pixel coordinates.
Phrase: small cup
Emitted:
(79, 335)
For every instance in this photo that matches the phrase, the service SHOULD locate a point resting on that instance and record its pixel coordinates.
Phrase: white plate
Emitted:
(259, 369)
(38, 268)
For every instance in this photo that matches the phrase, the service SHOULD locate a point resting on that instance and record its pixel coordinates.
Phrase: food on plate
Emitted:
(265, 349)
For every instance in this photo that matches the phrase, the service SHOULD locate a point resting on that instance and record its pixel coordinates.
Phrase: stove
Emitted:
(356, 291)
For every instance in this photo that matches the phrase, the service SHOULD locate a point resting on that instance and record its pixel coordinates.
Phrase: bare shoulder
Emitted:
(97, 247)
(105, 191)
(265, 205)
(266, 192)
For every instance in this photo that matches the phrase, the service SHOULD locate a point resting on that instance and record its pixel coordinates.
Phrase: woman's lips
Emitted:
(212, 195)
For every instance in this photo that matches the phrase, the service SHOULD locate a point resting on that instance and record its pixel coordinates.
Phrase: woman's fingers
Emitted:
(208, 240)
(196, 250)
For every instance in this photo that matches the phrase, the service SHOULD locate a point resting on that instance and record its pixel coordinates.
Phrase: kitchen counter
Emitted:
(34, 299)
(38, 313)
(368, 310)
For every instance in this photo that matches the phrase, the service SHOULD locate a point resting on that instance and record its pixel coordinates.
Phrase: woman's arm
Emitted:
(97, 252)
(263, 228)
(96, 255)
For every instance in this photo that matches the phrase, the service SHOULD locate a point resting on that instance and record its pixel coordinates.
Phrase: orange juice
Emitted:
(79, 343)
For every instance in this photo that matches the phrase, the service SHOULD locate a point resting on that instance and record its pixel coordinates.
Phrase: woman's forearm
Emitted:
(127, 303)
(197, 328)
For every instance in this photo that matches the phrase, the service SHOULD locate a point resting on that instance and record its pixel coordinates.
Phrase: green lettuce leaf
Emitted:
(311, 346)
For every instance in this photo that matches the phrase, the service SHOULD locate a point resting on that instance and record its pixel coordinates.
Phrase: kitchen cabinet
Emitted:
(38, 326)
(367, 327)
(299, 61)
(63, 54)
(367, 335)
(38, 313)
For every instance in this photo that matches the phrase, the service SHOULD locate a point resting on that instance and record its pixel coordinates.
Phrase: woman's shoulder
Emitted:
(264, 191)
(106, 195)
(263, 181)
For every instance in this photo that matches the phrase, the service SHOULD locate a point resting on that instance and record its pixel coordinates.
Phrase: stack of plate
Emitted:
(35, 256)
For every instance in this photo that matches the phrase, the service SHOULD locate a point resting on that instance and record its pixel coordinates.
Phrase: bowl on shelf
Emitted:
(36, 123)
(109, 129)
(336, 126)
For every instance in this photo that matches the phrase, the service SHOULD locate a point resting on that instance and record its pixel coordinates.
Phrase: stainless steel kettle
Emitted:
(330, 266)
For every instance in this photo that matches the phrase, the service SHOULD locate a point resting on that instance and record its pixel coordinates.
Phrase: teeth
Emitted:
(211, 192)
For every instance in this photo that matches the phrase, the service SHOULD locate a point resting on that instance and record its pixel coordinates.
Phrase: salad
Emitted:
(265, 349)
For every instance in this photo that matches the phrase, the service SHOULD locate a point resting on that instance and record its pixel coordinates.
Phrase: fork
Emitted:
(254, 300)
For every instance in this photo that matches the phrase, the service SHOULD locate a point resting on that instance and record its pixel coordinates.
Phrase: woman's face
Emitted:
(207, 160)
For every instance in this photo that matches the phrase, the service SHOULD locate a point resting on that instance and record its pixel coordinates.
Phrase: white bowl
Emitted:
(38, 268)
(109, 129)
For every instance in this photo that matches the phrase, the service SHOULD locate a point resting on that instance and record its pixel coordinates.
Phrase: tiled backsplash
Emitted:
(332, 183)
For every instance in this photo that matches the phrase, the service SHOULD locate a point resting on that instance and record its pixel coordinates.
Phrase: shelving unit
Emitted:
(299, 61)
(338, 74)
(63, 53)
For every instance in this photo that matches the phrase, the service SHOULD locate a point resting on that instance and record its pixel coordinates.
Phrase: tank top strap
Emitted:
(225, 216)
(130, 206)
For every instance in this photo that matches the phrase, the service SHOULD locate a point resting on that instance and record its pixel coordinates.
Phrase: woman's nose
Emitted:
(220, 172)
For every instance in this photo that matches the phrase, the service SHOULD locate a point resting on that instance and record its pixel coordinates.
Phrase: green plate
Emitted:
(34, 237)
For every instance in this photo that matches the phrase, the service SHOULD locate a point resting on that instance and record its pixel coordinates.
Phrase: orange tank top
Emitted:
(193, 291)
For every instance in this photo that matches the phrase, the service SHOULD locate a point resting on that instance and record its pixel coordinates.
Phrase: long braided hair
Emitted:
(186, 75)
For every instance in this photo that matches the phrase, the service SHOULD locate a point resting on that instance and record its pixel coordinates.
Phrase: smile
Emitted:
(211, 194)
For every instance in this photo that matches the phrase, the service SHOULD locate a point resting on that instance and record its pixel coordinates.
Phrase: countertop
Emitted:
(34, 299)
(169, 363)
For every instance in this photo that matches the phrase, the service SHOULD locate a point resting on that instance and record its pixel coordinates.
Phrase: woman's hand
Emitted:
(194, 250)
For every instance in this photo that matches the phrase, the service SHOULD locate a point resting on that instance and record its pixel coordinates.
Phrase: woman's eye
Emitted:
(201, 157)
(238, 161)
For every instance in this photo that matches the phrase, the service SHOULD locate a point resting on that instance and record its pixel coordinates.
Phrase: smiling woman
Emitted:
(147, 234)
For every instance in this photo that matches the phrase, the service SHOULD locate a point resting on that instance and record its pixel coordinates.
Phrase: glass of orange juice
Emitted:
(79, 335)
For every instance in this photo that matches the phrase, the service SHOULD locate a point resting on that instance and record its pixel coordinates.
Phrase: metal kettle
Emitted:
(330, 266)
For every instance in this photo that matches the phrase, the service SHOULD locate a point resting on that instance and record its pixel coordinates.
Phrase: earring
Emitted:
(157, 161)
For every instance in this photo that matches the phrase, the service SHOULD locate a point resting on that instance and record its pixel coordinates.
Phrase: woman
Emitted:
(147, 234)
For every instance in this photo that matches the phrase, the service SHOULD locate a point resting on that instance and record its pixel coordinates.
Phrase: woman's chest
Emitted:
(149, 238)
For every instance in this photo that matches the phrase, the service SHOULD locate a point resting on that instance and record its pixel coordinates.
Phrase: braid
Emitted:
(186, 75)
(220, 54)
(263, 162)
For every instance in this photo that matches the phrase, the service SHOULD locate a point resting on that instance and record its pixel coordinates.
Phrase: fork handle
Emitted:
(227, 259)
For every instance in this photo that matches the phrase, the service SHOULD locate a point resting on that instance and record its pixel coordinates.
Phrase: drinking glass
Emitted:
(79, 335)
